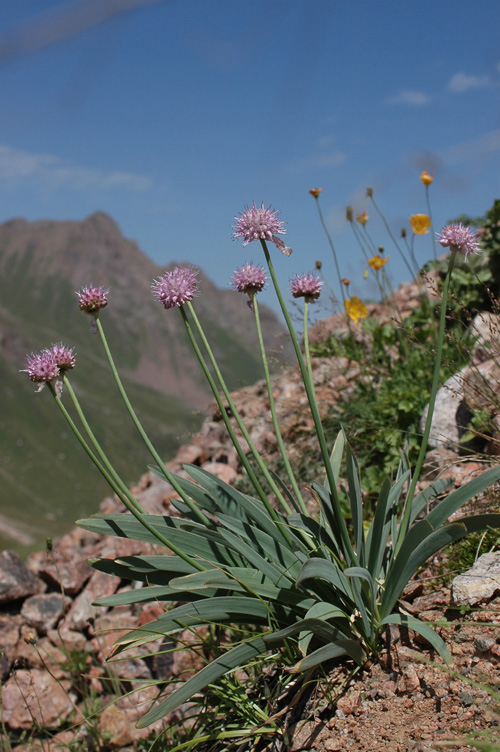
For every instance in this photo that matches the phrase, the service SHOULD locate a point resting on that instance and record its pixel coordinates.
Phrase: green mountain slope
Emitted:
(46, 480)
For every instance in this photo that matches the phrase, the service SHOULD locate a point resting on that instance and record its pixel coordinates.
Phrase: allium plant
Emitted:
(324, 588)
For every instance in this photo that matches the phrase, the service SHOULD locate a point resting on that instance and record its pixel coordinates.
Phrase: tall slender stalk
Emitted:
(168, 475)
(339, 517)
(272, 404)
(127, 499)
(432, 399)
(330, 242)
(234, 411)
(408, 266)
(244, 461)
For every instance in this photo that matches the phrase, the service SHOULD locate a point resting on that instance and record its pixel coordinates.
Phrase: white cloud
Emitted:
(52, 172)
(461, 82)
(411, 97)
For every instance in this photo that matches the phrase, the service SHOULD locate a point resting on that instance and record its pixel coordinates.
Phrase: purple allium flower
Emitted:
(63, 356)
(306, 286)
(91, 299)
(260, 224)
(459, 238)
(249, 278)
(42, 367)
(176, 287)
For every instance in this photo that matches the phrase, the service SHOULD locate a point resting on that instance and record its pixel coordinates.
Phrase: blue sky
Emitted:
(175, 115)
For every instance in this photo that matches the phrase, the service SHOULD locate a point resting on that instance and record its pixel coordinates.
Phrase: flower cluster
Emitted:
(176, 287)
(306, 286)
(420, 223)
(259, 223)
(46, 365)
(92, 298)
(459, 238)
(249, 278)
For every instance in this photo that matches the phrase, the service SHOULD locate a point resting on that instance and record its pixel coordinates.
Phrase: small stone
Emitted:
(44, 611)
(483, 644)
(34, 696)
(16, 580)
(480, 583)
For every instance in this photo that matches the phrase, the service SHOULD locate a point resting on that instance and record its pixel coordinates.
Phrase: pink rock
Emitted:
(35, 696)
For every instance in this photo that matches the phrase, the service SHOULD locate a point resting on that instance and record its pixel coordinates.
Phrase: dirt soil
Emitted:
(408, 700)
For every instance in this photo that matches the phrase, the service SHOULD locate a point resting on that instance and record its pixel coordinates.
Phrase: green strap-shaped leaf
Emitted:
(207, 546)
(328, 652)
(217, 610)
(399, 576)
(325, 631)
(356, 503)
(336, 458)
(328, 571)
(458, 498)
(238, 656)
(404, 620)
(431, 492)
(281, 556)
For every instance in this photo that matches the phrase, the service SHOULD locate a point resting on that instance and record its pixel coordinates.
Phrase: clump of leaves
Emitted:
(305, 583)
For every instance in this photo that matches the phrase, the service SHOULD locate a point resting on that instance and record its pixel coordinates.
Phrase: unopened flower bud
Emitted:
(318, 264)
(369, 192)
(315, 192)
(403, 232)
(349, 213)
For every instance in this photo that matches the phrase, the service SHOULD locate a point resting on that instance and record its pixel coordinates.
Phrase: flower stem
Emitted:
(131, 504)
(430, 217)
(432, 398)
(244, 461)
(107, 464)
(408, 266)
(234, 412)
(272, 405)
(168, 475)
(330, 241)
(314, 412)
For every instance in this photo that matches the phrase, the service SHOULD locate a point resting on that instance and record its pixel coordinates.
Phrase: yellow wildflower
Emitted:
(356, 309)
(426, 178)
(377, 262)
(362, 218)
(315, 192)
(420, 223)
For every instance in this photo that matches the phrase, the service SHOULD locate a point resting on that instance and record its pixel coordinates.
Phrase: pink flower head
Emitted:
(459, 238)
(249, 278)
(176, 287)
(306, 286)
(91, 299)
(260, 224)
(42, 367)
(63, 356)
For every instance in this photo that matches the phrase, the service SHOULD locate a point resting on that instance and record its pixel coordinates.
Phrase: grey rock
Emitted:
(478, 584)
(44, 611)
(16, 581)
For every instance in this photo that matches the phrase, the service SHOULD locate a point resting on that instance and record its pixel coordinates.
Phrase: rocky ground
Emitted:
(55, 644)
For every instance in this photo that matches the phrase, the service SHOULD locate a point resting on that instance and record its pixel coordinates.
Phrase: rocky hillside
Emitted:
(41, 265)
(400, 702)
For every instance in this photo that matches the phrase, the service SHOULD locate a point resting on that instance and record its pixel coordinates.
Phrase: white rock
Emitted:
(478, 584)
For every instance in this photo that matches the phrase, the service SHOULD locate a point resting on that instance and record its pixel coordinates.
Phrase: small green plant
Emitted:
(316, 588)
